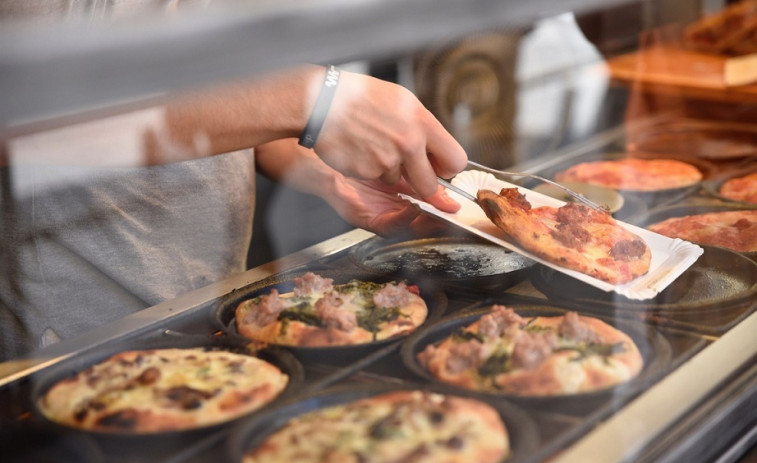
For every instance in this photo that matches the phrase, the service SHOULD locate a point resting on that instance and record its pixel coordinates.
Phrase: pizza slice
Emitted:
(573, 236)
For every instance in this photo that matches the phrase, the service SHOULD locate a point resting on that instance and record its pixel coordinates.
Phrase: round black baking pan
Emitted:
(522, 430)
(663, 213)
(25, 441)
(718, 280)
(654, 348)
(468, 261)
(159, 441)
(223, 314)
(633, 197)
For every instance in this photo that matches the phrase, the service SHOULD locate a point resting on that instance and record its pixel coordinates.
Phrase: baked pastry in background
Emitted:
(731, 31)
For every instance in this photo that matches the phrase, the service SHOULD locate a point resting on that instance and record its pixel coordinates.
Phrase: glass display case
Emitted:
(113, 217)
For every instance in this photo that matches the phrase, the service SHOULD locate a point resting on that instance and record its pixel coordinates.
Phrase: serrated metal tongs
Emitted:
(578, 196)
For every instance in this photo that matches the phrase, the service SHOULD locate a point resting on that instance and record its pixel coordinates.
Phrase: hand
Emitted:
(377, 130)
(375, 206)
(368, 204)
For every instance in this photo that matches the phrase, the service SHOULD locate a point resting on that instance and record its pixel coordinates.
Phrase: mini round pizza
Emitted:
(633, 174)
(742, 188)
(151, 391)
(503, 352)
(319, 313)
(573, 236)
(736, 230)
(415, 426)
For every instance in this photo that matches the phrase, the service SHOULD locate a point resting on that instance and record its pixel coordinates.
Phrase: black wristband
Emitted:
(322, 104)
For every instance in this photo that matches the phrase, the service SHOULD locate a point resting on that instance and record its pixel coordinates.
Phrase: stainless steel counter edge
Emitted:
(151, 318)
(624, 435)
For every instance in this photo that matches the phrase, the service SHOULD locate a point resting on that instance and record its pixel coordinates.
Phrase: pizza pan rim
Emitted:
(655, 362)
(47, 378)
(222, 315)
(523, 433)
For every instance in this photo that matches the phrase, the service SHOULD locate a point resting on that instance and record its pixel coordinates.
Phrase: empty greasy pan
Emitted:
(223, 315)
(654, 348)
(455, 260)
(521, 428)
(719, 279)
(150, 443)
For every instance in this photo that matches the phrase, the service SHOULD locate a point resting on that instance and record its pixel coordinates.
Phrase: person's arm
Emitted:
(371, 205)
(374, 130)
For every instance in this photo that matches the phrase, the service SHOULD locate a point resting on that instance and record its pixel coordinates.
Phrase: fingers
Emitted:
(445, 154)
(379, 130)
(442, 201)
(394, 222)
(442, 157)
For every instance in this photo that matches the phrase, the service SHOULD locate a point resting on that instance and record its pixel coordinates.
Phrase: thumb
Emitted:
(442, 201)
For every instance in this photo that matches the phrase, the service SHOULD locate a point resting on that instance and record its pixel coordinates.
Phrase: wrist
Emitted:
(320, 108)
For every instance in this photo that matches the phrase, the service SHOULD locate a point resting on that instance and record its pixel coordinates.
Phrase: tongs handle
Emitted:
(567, 190)
(457, 190)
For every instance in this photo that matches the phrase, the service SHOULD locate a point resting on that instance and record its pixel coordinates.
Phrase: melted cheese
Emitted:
(177, 388)
(393, 427)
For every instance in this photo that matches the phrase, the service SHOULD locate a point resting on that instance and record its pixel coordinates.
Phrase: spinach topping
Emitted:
(300, 314)
(363, 289)
(590, 349)
(462, 335)
(496, 364)
(373, 317)
(532, 327)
